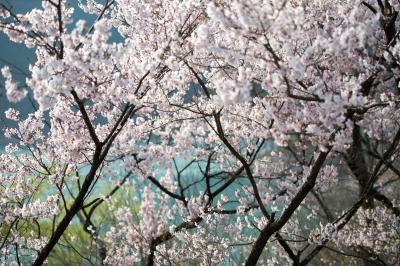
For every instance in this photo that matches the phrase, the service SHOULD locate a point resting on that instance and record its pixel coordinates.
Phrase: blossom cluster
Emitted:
(238, 124)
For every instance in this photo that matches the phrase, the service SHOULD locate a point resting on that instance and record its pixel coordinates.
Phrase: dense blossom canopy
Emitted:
(218, 131)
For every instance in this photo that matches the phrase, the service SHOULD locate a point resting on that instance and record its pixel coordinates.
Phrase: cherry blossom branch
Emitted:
(86, 119)
(346, 217)
(274, 226)
(193, 223)
(247, 169)
(107, 5)
(165, 190)
(199, 80)
(76, 206)
(98, 158)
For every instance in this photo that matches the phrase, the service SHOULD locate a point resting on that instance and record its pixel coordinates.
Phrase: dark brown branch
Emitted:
(168, 235)
(272, 226)
(116, 125)
(199, 80)
(243, 161)
(141, 82)
(373, 9)
(98, 157)
(386, 202)
(86, 119)
(76, 206)
(109, 195)
(346, 217)
(250, 176)
(60, 29)
(107, 5)
(160, 186)
(327, 212)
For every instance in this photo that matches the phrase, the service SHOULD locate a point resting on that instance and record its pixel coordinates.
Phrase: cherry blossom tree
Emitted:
(230, 131)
